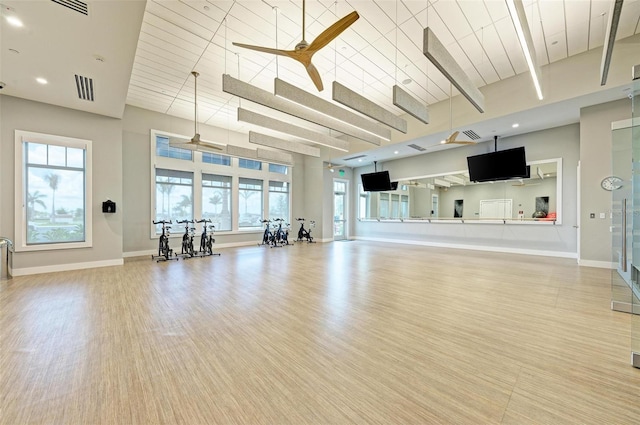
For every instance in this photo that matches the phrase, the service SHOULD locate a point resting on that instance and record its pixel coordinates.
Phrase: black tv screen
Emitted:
(501, 165)
(376, 182)
(394, 185)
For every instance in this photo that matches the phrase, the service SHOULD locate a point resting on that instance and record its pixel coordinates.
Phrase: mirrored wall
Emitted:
(452, 197)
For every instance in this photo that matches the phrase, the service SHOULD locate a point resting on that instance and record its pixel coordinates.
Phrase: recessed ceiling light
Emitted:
(442, 142)
(14, 21)
(41, 80)
(206, 7)
(515, 125)
(396, 152)
(360, 160)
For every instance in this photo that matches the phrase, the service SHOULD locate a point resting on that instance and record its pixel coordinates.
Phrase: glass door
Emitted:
(635, 241)
(339, 209)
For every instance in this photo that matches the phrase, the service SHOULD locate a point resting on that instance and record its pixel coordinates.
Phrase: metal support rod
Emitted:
(624, 235)
(495, 143)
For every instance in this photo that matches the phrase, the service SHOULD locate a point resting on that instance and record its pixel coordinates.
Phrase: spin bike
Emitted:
(267, 236)
(187, 239)
(206, 239)
(164, 252)
(281, 236)
(304, 233)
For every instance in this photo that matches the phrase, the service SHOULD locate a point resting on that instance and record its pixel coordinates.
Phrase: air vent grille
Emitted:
(354, 157)
(85, 87)
(75, 5)
(471, 134)
(416, 147)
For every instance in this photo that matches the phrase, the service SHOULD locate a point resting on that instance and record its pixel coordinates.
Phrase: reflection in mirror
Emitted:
(453, 196)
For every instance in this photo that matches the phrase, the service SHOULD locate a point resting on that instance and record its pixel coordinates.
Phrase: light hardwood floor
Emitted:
(337, 333)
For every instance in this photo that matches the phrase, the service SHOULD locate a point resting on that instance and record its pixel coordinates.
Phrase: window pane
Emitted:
(250, 164)
(55, 200)
(216, 200)
(57, 156)
(404, 199)
(395, 206)
(250, 203)
(75, 158)
(36, 153)
(384, 205)
(279, 200)
(213, 158)
(174, 196)
(277, 168)
(163, 149)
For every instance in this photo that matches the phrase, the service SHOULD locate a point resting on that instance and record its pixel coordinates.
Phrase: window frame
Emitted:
(20, 229)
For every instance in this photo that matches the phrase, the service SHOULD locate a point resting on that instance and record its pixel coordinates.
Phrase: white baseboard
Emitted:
(598, 264)
(66, 267)
(139, 253)
(558, 254)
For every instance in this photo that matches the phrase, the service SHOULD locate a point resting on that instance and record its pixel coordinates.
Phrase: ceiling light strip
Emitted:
(359, 103)
(286, 145)
(609, 40)
(251, 117)
(519, 18)
(410, 105)
(274, 156)
(318, 105)
(247, 91)
(435, 51)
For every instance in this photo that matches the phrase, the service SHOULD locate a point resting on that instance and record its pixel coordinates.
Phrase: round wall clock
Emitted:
(611, 183)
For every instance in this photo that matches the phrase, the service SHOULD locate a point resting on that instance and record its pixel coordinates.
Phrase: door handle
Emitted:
(624, 235)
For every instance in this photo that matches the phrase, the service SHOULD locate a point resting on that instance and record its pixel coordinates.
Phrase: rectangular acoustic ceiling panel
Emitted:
(367, 130)
(242, 152)
(435, 51)
(260, 120)
(287, 145)
(254, 94)
(353, 100)
(410, 105)
(274, 156)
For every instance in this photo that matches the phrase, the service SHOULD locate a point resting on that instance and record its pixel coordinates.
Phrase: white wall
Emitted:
(106, 134)
(560, 142)
(595, 164)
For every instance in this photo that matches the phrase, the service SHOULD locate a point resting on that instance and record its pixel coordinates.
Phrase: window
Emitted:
(277, 168)
(384, 205)
(250, 164)
(163, 149)
(216, 200)
(53, 181)
(214, 158)
(279, 200)
(395, 205)
(363, 203)
(404, 202)
(174, 195)
(250, 203)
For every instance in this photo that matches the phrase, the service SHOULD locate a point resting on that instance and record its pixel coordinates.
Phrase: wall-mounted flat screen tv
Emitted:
(501, 165)
(376, 182)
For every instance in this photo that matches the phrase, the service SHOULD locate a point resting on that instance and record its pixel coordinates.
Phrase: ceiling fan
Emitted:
(195, 143)
(451, 139)
(304, 51)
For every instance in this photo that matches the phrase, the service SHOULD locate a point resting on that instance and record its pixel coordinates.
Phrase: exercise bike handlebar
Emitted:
(162, 222)
(184, 221)
(299, 219)
(204, 220)
(265, 221)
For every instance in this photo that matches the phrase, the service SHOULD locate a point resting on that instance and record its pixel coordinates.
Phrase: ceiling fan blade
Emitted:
(265, 49)
(315, 76)
(332, 32)
(452, 137)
